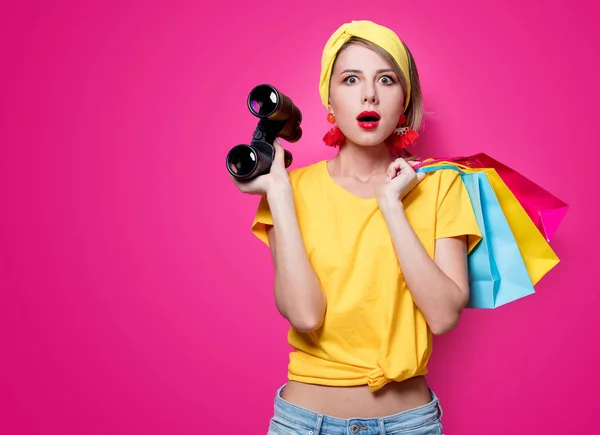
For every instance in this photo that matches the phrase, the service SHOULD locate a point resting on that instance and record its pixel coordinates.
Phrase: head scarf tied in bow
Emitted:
(375, 33)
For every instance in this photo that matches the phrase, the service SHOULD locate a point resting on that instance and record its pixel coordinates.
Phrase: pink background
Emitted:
(134, 299)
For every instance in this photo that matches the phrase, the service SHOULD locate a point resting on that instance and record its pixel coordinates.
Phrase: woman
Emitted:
(370, 257)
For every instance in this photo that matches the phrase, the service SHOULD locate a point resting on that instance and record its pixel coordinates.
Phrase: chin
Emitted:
(369, 139)
(368, 144)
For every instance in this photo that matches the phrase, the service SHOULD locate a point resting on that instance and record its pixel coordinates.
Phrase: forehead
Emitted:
(357, 56)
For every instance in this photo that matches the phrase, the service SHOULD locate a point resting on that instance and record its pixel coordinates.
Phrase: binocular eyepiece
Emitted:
(278, 117)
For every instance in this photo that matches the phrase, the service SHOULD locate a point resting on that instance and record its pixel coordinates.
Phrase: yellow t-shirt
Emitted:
(372, 332)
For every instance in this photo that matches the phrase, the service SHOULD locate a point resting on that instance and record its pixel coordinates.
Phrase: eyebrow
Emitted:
(379, 71)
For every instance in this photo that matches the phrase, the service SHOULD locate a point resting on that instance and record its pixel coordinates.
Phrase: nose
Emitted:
(369, 94)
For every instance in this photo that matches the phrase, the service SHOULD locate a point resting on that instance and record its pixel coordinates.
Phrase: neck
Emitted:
(363, 161)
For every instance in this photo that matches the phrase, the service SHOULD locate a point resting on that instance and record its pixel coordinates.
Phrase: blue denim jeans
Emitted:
(290, 419)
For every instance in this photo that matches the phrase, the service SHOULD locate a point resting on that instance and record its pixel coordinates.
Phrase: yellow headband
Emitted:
(375, 33)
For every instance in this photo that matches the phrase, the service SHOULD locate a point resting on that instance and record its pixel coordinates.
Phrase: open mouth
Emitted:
(368, 120)
(368, 117)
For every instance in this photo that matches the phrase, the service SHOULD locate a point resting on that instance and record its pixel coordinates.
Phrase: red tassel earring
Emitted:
(403, 137)
(334, 137)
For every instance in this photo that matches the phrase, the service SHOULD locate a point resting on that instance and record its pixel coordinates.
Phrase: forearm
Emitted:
(298, 292)
(436, 295)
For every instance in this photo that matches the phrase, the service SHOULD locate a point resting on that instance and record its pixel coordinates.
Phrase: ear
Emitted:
(330, 108)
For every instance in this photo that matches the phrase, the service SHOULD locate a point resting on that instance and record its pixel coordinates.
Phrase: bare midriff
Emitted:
(359, 401)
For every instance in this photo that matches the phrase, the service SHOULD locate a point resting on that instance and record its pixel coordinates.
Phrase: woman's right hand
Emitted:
(277, 176)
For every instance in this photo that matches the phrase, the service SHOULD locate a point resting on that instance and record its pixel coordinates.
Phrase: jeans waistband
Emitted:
(317, 423)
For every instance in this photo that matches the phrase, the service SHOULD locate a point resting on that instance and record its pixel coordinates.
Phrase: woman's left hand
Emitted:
(402, 178)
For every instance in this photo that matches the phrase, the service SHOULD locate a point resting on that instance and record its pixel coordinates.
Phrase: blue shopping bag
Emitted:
(497, 272)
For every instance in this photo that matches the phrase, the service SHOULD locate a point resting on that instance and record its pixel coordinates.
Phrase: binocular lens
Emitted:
(279, 118)
(263, 101)
(242, 161)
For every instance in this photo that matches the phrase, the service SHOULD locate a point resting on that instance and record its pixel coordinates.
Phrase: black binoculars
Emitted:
(278, 118)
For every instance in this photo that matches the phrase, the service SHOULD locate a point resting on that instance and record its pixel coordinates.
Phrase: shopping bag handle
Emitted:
(444, 161)
(441, 164)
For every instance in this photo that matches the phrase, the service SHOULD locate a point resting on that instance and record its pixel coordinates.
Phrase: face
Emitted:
(365, 96)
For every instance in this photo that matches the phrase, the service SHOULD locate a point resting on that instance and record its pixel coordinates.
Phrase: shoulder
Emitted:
(439, 182)
(443, 176)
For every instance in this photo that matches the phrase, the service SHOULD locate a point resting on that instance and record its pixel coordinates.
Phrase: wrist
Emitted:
(278, 188)
(280, 197)
(389, 204)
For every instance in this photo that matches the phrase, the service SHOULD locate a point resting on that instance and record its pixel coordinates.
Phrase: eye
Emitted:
(387, 80)
(350, 80)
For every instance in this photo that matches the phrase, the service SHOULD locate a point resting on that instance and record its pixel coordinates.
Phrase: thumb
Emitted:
(279, 152)
(421, 176)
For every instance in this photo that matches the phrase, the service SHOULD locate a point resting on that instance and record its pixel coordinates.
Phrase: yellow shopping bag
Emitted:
(537, 254)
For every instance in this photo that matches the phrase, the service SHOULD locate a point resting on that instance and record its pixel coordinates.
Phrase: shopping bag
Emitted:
(535, 249)
(545, 210)
(497, 272)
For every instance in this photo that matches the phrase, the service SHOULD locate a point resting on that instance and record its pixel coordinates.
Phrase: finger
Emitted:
(252, 187)
(398, 166)
(393, 169)
(235, 180)
(243, 186)
(279, 152)
(421, 176)
(403, 164)
(414, 163)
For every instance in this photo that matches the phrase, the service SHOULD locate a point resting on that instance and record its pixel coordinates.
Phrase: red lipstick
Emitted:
(368, 120)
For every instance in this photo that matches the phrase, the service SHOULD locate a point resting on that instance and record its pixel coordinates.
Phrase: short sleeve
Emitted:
(262, 220)
(455, 213)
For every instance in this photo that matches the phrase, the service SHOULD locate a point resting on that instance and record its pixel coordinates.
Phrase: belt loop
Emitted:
(382, 427)
(438, 403)
(318, 424)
